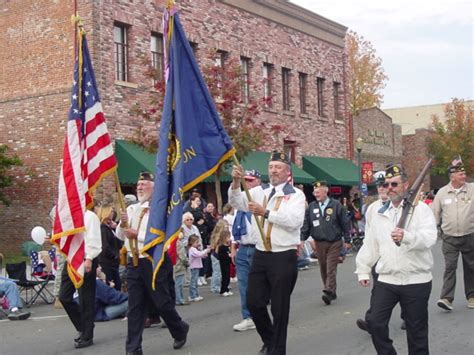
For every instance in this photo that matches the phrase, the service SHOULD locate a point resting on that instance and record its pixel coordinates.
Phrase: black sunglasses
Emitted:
(392, 184)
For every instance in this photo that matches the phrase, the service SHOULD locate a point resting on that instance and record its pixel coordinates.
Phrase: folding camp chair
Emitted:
(32, 289)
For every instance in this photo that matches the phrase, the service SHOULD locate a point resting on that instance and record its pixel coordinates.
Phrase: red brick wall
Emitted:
(415, 155)
(382, 139)
(37, 68)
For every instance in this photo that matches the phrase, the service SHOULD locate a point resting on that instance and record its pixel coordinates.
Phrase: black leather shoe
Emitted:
(136, 352)
(178, 344)
(363, 325)
(77, 337)
(328, 297)
(263, 350)
(83, 343)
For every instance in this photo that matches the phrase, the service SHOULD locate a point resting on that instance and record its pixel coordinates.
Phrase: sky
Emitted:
(426, 46)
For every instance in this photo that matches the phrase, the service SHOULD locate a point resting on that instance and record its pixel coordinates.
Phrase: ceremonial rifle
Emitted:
(411, 196)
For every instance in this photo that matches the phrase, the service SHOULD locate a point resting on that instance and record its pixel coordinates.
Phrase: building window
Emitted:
(336, 88)
(289, 147)
(303, 78)
(156, 47)
(121, 52)
(267, 84)
(219, 60)
(320, 88)
(285, 85)
(244, 79)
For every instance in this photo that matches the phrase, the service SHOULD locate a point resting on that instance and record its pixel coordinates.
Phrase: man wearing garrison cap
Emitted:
(279, 208)
(453, 207)
(403, 262)
(326, 222)
(139, 278)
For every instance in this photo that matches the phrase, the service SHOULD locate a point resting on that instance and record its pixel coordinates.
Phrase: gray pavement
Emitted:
(314, 327)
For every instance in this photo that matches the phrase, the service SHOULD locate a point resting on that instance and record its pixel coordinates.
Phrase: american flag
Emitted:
(88, 157)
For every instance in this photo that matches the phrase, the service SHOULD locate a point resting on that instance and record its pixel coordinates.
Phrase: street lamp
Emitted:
(359, 143)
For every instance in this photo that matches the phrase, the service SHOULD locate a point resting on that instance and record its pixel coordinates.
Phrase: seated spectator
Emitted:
(10, 300)
(109, 303)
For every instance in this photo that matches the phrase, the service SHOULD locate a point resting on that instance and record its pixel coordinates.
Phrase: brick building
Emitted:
(382, 140)
(289, 53)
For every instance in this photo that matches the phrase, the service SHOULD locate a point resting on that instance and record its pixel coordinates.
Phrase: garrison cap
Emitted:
(280, 156)
(392, 170)
(456, 166)
(146, 175)
(320, 183)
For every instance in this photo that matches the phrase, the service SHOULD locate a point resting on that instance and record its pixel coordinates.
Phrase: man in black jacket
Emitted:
(327, 223)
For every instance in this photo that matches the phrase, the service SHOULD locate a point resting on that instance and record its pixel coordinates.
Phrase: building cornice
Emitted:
(295, 17)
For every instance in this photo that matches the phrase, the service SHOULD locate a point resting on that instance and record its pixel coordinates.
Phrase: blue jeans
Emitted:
(116, 310)
(193, 284)
(11, 292)
(178, 287)
(243, 261)
(216, 275)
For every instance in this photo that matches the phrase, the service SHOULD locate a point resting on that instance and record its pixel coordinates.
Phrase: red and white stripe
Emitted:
(85, 162)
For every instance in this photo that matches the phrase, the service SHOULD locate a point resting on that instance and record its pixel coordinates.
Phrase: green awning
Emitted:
(335, 171)
(259, 161)
(132, 159)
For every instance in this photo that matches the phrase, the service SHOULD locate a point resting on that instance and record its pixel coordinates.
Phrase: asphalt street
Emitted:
(314, 327)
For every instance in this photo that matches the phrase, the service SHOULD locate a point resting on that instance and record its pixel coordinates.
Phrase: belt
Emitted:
(248, 245)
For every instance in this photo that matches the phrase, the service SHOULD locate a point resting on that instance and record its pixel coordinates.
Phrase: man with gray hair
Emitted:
(453, 208)
(404, 263)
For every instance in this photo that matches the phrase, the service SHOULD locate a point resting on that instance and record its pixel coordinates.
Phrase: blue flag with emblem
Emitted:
(192, 142)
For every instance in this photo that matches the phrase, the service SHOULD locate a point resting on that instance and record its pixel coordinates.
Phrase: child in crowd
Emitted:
(195, 263)
(223, 251)
(180, 269)
(216, 279)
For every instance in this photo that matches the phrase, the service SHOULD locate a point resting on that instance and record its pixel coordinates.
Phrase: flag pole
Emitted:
(249, 198)
(133, 241)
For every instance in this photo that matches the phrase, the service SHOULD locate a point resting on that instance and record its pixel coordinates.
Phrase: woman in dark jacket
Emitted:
(109, 258)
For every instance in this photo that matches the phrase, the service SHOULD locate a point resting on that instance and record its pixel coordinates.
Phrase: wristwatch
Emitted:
(267, 213)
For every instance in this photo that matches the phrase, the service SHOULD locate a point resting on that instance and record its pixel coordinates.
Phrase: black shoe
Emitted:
(363, 325)
(19, 314)
(77, 337)
(178, 344)
(328, 297)
(403, 326)
(83, 343)
(135, 352)
(264, 350)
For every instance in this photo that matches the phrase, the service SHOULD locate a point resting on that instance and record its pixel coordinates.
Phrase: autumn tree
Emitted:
(239, 117)
(367, 77)
(453, 135)
(6, 163)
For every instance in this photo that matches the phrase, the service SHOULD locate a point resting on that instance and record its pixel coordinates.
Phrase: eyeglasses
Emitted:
(189, 219)
(391, 184)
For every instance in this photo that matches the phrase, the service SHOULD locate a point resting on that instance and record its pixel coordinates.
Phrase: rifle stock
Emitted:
(411, 196)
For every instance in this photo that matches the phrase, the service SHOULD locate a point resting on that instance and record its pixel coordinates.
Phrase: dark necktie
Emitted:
(271, 194)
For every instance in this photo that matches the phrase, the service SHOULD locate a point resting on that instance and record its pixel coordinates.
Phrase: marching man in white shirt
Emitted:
(404, 271)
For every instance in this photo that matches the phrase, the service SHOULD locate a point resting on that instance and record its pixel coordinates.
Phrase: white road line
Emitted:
(38, 318)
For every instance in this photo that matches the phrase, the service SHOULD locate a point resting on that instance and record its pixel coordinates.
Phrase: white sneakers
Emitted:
(197, 299)
(246, 324)
(227, 294)
(202, 281)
